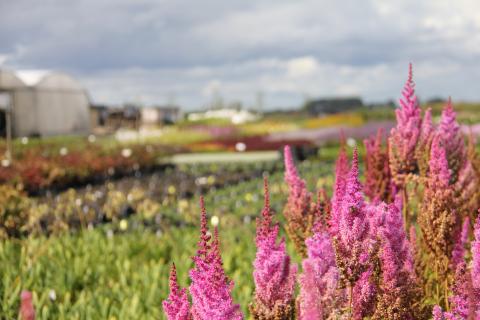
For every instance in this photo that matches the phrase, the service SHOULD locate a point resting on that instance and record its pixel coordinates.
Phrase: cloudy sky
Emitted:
(155, 51)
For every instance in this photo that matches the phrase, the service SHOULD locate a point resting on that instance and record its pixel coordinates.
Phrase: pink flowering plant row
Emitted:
(404, 244)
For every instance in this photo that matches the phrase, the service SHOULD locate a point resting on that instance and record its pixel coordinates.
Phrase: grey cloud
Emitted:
(149, 48)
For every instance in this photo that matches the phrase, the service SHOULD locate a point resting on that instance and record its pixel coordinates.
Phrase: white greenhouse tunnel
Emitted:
(43, 103)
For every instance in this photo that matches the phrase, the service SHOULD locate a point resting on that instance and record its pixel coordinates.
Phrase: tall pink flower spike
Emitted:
(439, 174)
(210, 288)
(341, 172)
(292, 178)
(465, 300)
(176, 306)
(452, 139)
(404, 137)
(458, 254)
(274, 274)
(319, 295)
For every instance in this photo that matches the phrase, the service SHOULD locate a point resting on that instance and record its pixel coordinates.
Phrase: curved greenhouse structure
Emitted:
(45, 103)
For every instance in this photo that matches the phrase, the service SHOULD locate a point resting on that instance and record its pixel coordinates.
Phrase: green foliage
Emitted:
(122, 273)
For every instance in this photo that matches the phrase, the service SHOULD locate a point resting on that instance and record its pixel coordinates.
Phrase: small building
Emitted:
(151, 116)
(98, 115)
(124, 117)
(45, 103)
(332, 105)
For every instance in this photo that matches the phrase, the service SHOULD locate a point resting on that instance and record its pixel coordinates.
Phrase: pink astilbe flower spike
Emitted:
(438, 217)
(462, 303)
(453, 140)
(300, 211)
(427, 125)
(323, 210)
(319, 297)
(378, 184)
(210, 288)
(176, 306)
(467, 191)
(352, 243)
(439, 175)
(27, 311)
(410, 264)
(476, 256)
(438, 314)
(465, 300)
(341, 172)
(273, 274)
(291, 175)
(396, 289)
(422, 152)
(404, 137)
(458, 255)
(364, 295)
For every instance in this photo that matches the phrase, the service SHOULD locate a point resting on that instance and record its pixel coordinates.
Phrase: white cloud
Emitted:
(3, 58)
(303, 66)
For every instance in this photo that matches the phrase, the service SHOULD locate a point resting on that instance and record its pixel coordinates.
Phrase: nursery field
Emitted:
(120, 270)
(381, 224)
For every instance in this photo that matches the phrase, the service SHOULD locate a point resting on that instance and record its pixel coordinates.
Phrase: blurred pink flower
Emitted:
(452, 140)
(27, 311)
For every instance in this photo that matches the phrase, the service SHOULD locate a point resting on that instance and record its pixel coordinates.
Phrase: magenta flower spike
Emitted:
(422, 153)
(458, 254)
(465, 301)
(341, 172)
(439, 174)
(353, 220)
(396, 288)
(427, 128)
(453, 140)
(300, 211)
(27, 311)
(410, 263)
(352, 243)
(476, 256)
(404, 137)
(396, 249)
(448, 126)
(176, 306)
(210, 288)
(409, 104)
(378, 182)
(295, 183)
(438, 313)
(274, 274)
(319, 296)
(364, 293)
